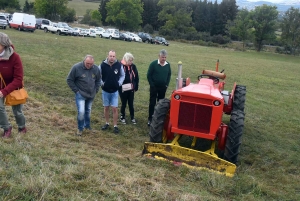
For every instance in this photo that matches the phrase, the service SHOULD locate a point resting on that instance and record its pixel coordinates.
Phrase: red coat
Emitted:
(12, 72)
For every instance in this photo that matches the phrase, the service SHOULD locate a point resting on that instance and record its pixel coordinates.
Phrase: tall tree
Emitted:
(125, 14)
(9, 4)
(28, 7)
(150, 14)
(50, 9)
(263, 20)
(241, 26)
(227, 10)
(290, 27)
(103, 11)
(176, 16)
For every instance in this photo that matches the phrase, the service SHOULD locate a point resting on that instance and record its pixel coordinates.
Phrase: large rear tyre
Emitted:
(159, 117)
(239, 98)
(234, 137)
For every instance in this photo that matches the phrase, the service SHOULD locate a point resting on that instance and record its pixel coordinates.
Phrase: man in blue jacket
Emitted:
(112, 74)
(84, 80)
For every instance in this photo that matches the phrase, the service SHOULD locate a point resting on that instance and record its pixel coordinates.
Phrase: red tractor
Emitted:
(195, 111)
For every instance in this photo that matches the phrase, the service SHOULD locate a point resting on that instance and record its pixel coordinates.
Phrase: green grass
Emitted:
(50, 163)
(79, 6)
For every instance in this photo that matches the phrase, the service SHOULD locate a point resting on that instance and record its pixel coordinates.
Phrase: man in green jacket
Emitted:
(159, 75)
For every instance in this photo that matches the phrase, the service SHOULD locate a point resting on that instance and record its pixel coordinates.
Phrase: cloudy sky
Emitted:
(278, 1)
(273, 1)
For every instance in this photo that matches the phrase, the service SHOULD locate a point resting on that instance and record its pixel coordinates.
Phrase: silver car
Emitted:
(3, 21)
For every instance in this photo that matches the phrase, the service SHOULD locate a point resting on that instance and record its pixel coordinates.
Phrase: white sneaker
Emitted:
(133, 121)
(122, 120)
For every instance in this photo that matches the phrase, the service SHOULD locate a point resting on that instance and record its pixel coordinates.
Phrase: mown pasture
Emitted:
(51, 163)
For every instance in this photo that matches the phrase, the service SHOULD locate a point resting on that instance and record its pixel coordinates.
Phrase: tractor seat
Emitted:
(215, 74)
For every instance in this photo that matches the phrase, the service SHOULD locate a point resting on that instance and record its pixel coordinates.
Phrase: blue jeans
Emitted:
(84, 108)
(110, 99)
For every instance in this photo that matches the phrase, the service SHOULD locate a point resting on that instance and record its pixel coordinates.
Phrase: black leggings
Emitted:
(127, 96)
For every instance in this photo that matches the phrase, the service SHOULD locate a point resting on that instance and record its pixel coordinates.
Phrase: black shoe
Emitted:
(149, 122)
(116, 130)
(105, 127)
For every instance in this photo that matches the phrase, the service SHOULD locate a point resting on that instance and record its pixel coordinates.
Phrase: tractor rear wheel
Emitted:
(161, 111)
(239, 98)
(234, 137)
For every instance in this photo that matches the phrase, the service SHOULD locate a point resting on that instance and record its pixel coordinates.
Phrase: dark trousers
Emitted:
(155, 95)
(127, 96)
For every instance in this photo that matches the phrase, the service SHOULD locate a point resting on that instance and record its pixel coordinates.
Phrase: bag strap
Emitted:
(2, 80)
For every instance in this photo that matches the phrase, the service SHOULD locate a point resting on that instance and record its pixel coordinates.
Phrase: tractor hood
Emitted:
(205, 87)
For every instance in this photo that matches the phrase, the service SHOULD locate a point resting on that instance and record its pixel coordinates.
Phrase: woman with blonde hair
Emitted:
(11, 69)
(131, 77)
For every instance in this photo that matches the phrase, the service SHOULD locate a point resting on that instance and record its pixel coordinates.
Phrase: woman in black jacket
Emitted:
(129, 87)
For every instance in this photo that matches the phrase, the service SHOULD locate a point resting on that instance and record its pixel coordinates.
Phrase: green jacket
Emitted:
(159, 76)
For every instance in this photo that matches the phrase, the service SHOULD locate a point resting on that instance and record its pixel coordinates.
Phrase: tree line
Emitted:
(197, 20)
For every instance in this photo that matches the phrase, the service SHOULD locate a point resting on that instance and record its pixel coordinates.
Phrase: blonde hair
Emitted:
(128, 56)
(4, 40)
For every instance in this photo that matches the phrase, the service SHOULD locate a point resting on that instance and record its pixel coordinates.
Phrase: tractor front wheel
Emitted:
(239, 98)
(159, 118)
(234, 137)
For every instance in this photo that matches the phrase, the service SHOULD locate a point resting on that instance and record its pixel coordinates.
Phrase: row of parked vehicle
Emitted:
(27, 22)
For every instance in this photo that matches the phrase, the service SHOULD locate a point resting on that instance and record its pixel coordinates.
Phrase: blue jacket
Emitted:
(112, 76)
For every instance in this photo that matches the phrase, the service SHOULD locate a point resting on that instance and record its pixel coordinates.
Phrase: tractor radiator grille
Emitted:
(194, 117)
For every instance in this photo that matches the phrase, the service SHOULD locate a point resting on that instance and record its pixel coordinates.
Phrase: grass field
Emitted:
(51, 163)
(79, 6)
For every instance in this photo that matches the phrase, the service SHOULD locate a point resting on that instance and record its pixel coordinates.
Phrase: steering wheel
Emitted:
(216, 79)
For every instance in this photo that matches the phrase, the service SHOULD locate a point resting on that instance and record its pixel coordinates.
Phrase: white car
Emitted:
(111, 33)
(134, 37)
(89, 33)
(99, 31)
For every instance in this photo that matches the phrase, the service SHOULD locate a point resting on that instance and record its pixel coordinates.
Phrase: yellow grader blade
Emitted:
(189, 157)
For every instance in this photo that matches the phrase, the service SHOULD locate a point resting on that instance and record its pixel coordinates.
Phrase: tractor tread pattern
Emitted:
(234, 137)
(158, 119)
(239, 98)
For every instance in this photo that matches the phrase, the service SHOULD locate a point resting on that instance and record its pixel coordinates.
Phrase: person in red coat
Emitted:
(11, 69)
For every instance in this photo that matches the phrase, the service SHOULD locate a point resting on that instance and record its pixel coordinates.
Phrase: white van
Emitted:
(23, 21)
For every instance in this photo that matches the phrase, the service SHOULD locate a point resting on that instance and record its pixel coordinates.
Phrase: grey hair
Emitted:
(88, 56)
(128, 56)
(4, 40)
(163, 52)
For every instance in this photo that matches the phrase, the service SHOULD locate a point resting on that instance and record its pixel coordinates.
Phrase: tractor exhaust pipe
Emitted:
(179, 77)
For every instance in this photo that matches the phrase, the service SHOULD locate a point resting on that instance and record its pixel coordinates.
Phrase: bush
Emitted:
(148, 28)
(220, 39)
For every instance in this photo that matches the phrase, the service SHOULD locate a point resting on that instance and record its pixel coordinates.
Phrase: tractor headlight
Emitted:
(177, 97)
(217, 103)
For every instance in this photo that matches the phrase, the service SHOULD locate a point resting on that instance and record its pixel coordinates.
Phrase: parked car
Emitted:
(134, 37)
(111, 33)
(45, 23)
(125, 37)
(40, 22)
(160, 40)
(72, 32)
(81, 32)
(3, 22)
(89, 33)
(23, 21)
(99, 31)
(146, 38)
(77, 30)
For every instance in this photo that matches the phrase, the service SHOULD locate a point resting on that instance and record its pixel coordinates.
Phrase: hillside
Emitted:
(51, 163)
(79, 6)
